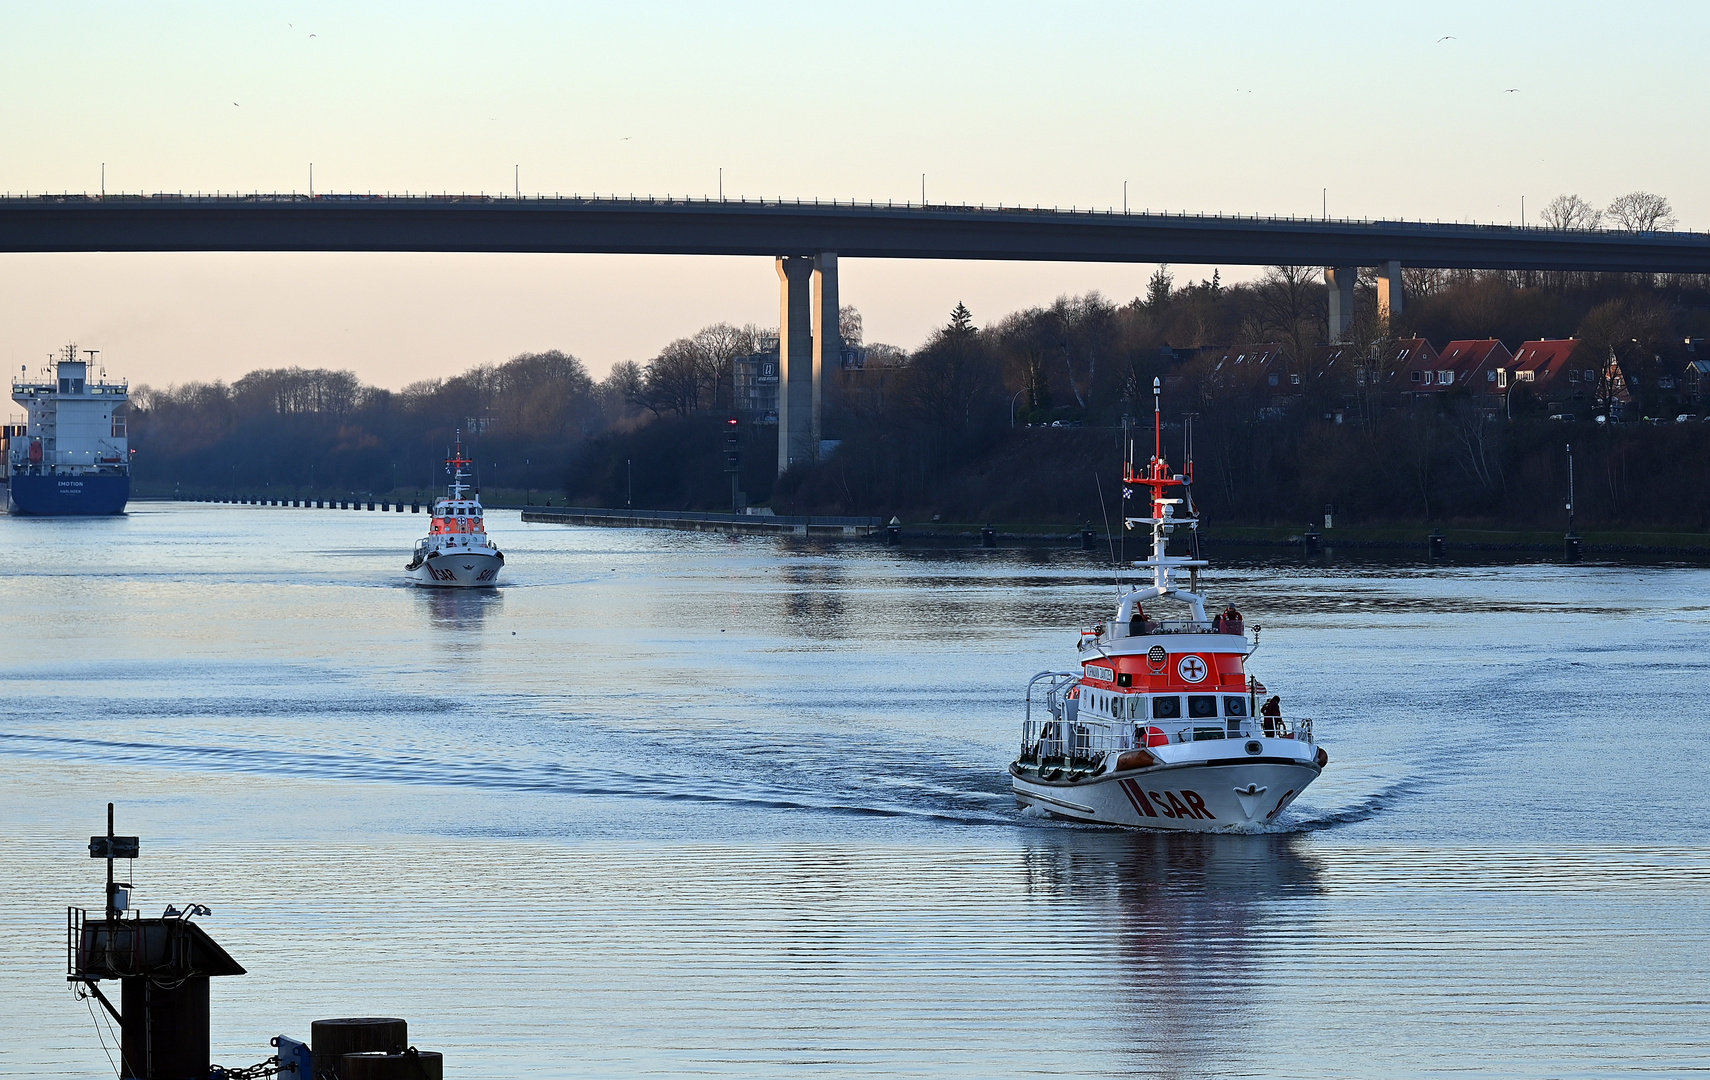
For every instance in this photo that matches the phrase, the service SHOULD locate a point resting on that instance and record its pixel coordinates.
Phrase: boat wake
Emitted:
(1363, 810)
(764, 788)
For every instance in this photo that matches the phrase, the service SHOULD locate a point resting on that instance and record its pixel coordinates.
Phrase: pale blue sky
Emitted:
(1243, 107)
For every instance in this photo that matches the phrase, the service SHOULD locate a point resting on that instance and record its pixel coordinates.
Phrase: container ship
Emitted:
(72, 456)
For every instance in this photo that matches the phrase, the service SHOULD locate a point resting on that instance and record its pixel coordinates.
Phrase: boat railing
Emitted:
(1085, 742)
(1182, 626)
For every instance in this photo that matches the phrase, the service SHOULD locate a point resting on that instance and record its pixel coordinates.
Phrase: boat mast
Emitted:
(456, 463)
(1162, 520)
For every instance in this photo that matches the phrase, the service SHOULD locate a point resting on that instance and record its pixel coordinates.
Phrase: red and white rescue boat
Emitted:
(457, 550)
(1162, 727)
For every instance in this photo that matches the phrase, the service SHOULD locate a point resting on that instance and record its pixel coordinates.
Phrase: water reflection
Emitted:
(460, 609)
(1185, 916)
(813, 606)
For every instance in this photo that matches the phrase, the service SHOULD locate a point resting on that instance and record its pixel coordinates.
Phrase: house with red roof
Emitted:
(1560, 371)
(1406, 356)
(1467, 365)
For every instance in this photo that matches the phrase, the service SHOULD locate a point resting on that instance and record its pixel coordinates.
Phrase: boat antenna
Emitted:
(1115, 567)
(1187, 491)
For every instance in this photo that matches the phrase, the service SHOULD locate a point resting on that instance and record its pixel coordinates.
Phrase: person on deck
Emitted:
(1271, 714)
(1230, 622)
(1137, 622)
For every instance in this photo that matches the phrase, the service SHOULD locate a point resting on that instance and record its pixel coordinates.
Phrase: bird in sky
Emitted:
(1514, 91)
(1445, 37)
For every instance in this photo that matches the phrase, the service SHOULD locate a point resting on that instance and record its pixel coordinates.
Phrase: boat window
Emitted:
(1234, 706)
(1166, 708)
(1199, 705)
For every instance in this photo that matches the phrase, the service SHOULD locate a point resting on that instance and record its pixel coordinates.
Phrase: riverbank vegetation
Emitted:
(1023, 419)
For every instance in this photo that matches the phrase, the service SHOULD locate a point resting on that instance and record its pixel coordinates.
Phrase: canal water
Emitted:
(688, 805)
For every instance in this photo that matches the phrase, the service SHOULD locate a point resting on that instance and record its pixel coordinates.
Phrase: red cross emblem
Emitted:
(1191, 669)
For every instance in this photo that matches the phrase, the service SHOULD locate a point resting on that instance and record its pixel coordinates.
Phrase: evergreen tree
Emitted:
(1158, 288)
(961, 321)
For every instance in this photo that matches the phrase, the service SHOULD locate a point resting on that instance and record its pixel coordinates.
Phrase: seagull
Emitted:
(1514, 91)
(1445, 37)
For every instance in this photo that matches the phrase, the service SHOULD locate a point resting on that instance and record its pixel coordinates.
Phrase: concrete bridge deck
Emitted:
(772, 228)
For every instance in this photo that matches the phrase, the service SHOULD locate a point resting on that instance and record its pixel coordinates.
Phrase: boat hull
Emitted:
(456, 569)
(92, 495)
(1195, 797)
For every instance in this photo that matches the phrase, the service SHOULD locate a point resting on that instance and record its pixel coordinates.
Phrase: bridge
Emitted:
(806, 238)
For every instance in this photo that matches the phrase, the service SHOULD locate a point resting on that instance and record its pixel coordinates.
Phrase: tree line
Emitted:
(1020, 419)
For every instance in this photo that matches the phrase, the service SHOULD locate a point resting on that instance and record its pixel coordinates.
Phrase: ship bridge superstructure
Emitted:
(75, 424)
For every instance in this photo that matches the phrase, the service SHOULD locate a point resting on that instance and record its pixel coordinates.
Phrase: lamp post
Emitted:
(1012, 402)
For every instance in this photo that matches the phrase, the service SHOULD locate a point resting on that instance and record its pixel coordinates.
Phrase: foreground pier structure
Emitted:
(807, 238)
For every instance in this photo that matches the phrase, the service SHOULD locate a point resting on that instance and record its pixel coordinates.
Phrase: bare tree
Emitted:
(715, 350)
(1477, 437)
(849, 324)
(1289, 301)
(1570, 212)
(1026, 341)
(1418, 282)
(1641, 211)
(671, 381)
(1086, 330)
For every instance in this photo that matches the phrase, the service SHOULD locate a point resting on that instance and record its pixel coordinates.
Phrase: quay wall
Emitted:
(747, 524)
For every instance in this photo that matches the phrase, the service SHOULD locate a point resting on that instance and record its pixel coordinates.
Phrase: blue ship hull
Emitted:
(63, 496)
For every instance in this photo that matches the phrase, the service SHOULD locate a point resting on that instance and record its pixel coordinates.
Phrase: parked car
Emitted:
(1686, 418)
(1564, 417)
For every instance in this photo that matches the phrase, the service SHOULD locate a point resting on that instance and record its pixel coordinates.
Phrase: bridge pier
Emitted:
(1390, 294)
(808, 340)
(1341, 280)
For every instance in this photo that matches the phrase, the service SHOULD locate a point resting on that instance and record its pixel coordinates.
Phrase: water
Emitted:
(676, 804)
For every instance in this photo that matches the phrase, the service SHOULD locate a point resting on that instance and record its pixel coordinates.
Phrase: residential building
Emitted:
(1695, 373)
(1468, 365)
(755, 379)
(1405, 363)
(1563, 371)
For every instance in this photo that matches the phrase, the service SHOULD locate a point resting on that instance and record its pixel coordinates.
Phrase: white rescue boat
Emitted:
(1162, 727)
(456, 552)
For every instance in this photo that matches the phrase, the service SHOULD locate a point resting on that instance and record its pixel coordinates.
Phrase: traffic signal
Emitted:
(732, 446)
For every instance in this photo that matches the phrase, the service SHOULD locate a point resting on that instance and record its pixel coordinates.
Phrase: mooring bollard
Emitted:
(1571, 547)
(988, 537)
(1437, 543)
(1310, 540)
(1086, 538)
(415, 508)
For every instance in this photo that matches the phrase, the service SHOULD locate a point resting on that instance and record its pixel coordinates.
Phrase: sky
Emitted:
(1451, 111)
